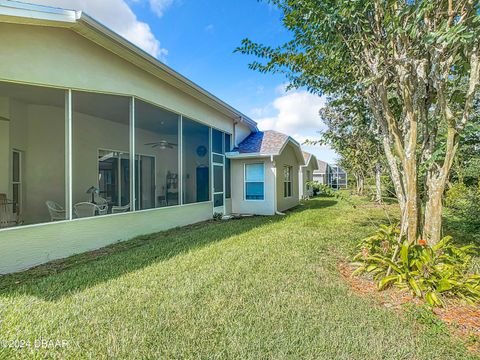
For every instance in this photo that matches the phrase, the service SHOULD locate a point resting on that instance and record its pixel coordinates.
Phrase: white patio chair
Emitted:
(57, 213)
(120, 209)
(9, 212)
(102, 205)
(85, 209)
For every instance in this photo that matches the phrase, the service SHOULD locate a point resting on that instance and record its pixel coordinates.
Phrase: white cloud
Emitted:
(295, 113)
(159, 6)
(118, 16)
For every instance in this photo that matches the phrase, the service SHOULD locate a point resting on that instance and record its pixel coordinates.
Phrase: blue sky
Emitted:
(201, 35)
(198, 37)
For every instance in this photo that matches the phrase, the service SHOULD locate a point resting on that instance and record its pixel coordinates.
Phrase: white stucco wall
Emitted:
(257, 207)
(287, 157)
(303, 179)
(24, 247)
(241, 133)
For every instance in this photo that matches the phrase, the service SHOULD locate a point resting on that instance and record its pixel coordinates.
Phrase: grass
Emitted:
(256, 288)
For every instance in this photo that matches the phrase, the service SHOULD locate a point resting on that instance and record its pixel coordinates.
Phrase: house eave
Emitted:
(81, 23)
(237, 155)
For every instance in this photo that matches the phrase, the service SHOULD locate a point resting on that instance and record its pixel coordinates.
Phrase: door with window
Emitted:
(218, 171)
(218, 177)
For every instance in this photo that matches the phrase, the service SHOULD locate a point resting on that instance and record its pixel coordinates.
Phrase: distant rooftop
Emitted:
(322, 167)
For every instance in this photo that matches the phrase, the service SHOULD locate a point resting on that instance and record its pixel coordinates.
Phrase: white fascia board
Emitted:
(36, 13)
(237, 155)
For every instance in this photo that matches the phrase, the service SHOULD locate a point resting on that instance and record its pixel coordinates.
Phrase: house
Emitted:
(331, 175)
(320, 174)
(306, 175)
(265, 168)
(100, 142)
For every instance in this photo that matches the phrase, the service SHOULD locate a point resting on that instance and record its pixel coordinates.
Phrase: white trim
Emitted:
(54, 223)
(68, 155)
(237, 155)
(245, 182)
(290, 171)
(222, 164)
(132, 155)
(38, 12)
(180, 159)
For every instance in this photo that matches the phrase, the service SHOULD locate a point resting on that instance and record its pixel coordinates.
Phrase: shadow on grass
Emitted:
(58, 278)
(314, 203)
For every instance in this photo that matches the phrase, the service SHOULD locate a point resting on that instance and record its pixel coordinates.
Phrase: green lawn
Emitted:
(257, 288)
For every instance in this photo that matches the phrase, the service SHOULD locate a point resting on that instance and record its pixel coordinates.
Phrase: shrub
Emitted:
(321, 189)
(430, 272)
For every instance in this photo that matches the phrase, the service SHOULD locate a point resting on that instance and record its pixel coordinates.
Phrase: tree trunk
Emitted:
(432, 228)
(360, 184)
(378, 183)
(411, 204)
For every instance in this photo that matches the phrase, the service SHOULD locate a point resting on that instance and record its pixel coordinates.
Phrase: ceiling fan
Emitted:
(162, 144)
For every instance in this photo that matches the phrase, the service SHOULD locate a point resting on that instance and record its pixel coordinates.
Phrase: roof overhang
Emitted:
(294, 144)
(81, 23)
(237, 155)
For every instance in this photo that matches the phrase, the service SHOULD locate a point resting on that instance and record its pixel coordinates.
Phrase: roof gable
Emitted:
(310, 159)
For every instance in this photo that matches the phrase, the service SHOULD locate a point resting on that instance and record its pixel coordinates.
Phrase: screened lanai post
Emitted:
(132, 154)
(210, 178)
(180, 160)
(68, 154)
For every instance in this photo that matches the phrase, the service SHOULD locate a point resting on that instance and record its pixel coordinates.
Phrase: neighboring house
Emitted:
(100, 142)
(331, 175)
(306, 175)
(265, 168)
(320, 175)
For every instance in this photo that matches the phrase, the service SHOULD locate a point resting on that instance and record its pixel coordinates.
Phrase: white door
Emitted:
(218, 183)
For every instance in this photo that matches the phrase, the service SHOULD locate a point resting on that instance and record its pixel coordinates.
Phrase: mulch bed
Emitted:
(461, 319)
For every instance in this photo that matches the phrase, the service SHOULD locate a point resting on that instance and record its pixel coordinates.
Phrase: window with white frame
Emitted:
(254, 181)
(287, 181)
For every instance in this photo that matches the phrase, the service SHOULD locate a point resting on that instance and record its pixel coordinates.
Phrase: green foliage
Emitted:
(464, 203)
(466, 168)
(430, 272)
(424, 315)
(321, 189)
(352, 133)
(389, 54)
